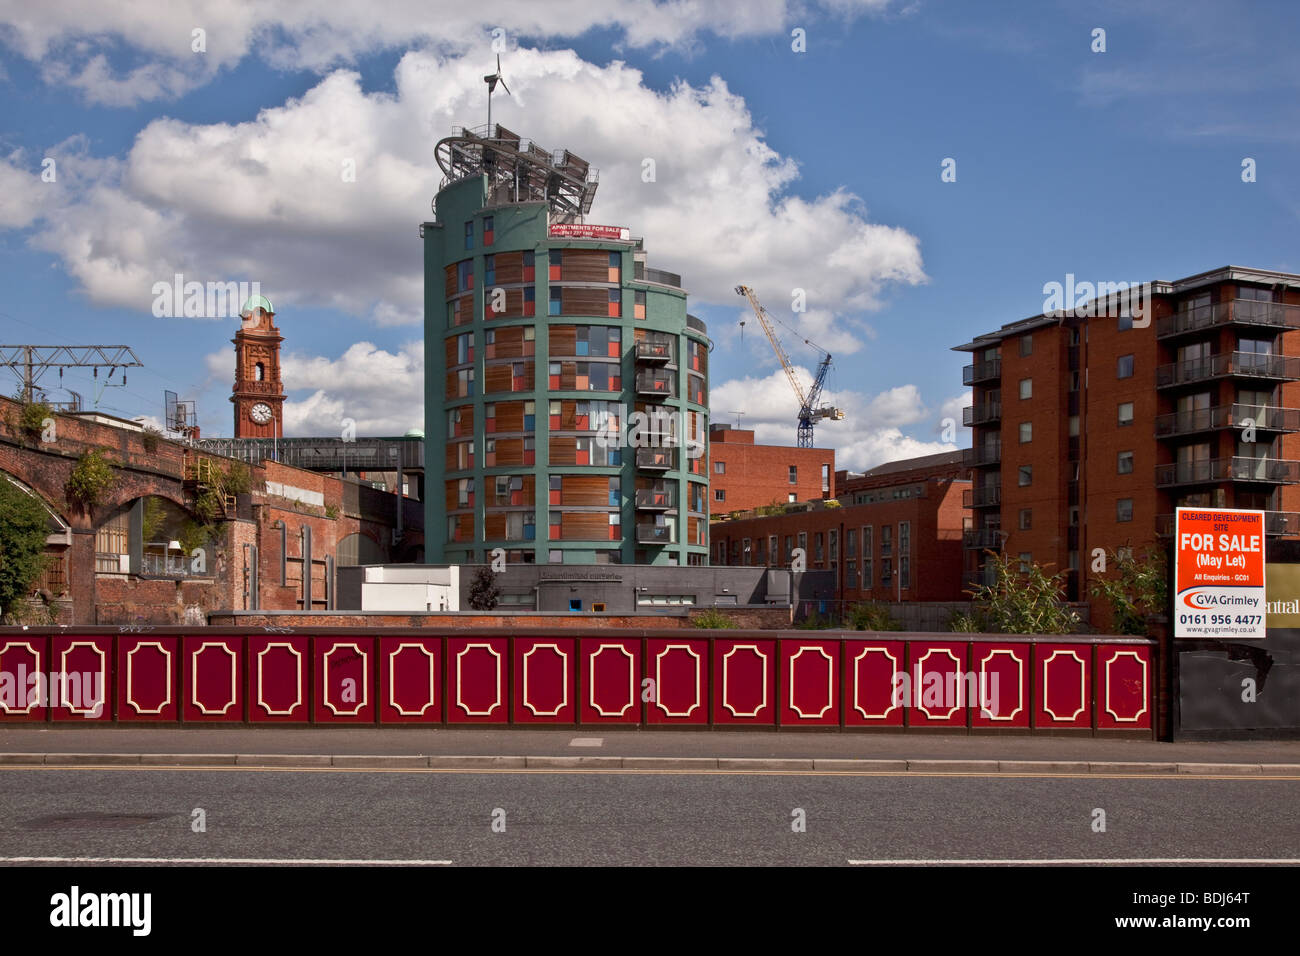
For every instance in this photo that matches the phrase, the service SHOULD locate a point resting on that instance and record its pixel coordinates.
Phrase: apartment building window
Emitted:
(719, 467)
(904, 554)
(772, 556)
(904, 571)
(794, 474)
(1026, 345)
(833, 541)
(1126, 319)
(1074, 426)
(886, 540)
(1026, 432)
(1125, 413)
(1124, 463)
(719, 494)
(1026, 388)
(826, 477)
(867, 556)
(1124, 367)
(803, 543)
(851, 543)
(1074, 381)
(817, 547)
(469, 234)
(489, 225)
(1026, 518)
(789, 548)
(1124, 509)
(745, 550)
(886, 572)
(1026, 561)
(789, 499)
(1025, 476)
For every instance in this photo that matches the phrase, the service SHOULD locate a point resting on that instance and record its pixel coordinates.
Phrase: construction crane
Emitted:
(810, 411)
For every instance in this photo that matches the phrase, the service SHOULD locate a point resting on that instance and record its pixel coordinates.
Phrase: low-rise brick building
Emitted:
(744, 475)
(893, 534)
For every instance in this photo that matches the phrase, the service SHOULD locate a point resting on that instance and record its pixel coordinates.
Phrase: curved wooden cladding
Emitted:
(545, 680)
(760, 679)
(869, 668)
(21, 657)
(508, 267)
(148, 677)
(585, 265)
(345, 671)
(478, 679)
(744, 681)
(212, 672)
(611, 682)
(278, 680)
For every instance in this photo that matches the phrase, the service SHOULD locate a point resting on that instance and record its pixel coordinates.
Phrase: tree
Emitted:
(23, 529)
(483, 590)
(1136, 588)
(1023, 600)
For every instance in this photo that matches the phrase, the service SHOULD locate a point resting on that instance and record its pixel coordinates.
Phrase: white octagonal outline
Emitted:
(103, 684)
(659, 663)
(460, 702)
(36, 654)
(392, 679)
(1020, 681)
(1128, 652)
(631, 679)
(879, 649)
(564, 700)
(130, 673)
(830, 681)
(726, 660)
(297, 671)
(194, 673)
(920, 670)
(1083, 686)
(365, 679)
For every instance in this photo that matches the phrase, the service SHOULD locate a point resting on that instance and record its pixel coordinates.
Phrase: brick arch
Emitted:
(41, 495)
(128, 491)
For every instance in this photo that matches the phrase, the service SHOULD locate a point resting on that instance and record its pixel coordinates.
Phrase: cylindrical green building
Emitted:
(566, 387)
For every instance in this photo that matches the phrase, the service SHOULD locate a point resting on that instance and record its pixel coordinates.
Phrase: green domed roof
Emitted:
(257, 302)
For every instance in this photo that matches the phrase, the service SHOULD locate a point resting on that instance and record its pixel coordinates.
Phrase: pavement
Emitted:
(624, 749)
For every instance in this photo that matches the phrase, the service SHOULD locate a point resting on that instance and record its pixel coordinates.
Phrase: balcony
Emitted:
(981, 372)
(1264, 315)
(655, 499)
(982, 497)
(654, 534)
(1263, 417)
(658, 384)
(1252, 365)
(654, 351)
(1214, 470)
(1276, 523)
(980, 455)
(980, 414)
(656, 459)
(982, 540)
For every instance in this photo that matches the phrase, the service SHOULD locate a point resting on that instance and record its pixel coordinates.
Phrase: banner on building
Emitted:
(1219, 574)
(573, 230)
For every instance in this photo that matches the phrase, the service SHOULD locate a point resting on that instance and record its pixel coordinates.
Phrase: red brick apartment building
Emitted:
(1089, 431)
(745, 475)
(896, 535)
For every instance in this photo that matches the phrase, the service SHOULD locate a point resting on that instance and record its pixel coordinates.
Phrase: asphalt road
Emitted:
(592, 818)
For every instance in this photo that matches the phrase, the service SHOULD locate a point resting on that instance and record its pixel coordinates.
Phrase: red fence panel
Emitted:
(1001, 685)
(148, 677)
(80, 684)
(211, 678)
(679, 670)
(277, 678)
(611, 680)
(873, 696)
(744, 681)
(1123, 687)
(477, 679)
(937, 679)
(1063, 686)
(345, 680)
(545, 679)
(810, 682)
(24, 663)
(410, 680)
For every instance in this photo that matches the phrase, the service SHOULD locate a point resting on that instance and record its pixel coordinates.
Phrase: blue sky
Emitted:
(817, 170)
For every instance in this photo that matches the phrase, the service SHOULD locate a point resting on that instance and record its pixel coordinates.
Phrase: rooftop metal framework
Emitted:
(324, 454)
(518, 170)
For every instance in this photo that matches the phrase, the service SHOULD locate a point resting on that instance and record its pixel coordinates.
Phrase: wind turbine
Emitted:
(492, 80)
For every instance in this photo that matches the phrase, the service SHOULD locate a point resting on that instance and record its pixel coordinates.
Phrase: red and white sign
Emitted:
(1219, 573)
(571, 230)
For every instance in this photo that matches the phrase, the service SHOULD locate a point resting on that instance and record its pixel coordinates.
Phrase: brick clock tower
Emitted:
(258, 393)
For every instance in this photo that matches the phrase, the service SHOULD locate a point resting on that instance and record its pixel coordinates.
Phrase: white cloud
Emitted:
(870, 433)
(73, 38)
(266, 200)
(382, 391)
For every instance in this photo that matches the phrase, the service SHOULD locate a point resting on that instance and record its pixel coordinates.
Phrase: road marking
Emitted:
(587, 742)
(1098, 860)
(1184, 777)
(225, 861)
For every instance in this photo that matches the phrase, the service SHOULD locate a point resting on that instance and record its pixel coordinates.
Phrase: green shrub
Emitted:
(871, 616)
(91, 478)
(23, 528)
(964, 622)
(815, 621)
(150, 440)
(32, 420)
(713, 619)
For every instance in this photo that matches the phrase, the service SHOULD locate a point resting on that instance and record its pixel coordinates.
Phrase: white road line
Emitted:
(1098, 860)
(230, 861)
(587, 742)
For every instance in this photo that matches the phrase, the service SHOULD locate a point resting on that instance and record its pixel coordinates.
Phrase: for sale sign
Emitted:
(1219, 574)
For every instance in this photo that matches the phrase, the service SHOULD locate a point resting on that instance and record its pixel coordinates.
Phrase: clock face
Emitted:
(260, 413)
